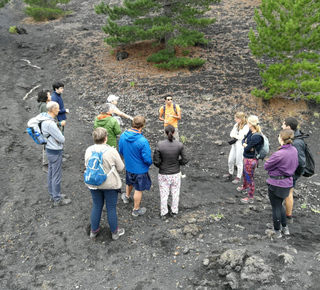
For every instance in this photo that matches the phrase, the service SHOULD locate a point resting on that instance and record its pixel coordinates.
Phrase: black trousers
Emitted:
(276, 196)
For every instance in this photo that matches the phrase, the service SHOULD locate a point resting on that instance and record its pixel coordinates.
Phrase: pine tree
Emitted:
(3, 3)
(45, 9)
(176, 22)
(288, 33)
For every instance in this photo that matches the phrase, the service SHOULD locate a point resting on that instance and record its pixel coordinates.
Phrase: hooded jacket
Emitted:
(50, 130)
(111, 125)
(62, 113)
(299, 144)
(136, 151)
(282, 163)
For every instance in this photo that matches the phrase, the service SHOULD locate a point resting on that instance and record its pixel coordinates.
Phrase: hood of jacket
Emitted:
(131, 136)
(299, 135)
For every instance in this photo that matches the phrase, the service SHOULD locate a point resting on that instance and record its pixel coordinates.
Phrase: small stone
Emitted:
(206, 262)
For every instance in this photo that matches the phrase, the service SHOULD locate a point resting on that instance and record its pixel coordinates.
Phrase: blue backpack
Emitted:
(95, 173)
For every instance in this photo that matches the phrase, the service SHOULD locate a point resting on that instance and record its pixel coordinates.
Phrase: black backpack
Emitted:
(310, 164)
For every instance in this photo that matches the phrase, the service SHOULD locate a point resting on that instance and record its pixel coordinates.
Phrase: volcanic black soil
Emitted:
(49, 248)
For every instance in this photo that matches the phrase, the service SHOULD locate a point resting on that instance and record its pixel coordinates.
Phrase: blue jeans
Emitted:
(98, 198)
(54, 174)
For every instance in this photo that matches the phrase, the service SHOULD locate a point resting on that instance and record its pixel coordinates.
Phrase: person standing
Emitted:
(137, 156)
(106, 121)
(108, 191)
(252, 143)
(239, 130)
(281, 167)
(170, 113)
(54, 149)
(168, 156)
(116, 113)
(58, 88)
(299, 144)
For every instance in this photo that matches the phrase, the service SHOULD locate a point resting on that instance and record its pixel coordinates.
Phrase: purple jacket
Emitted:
(283, 162)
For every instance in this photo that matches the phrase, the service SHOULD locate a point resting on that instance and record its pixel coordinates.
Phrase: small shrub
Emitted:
(132, 84)
(13, 29)
(3, 3)
(167, 60)
(183, 139)
(41, 10)
(186, 52)
(217, 216)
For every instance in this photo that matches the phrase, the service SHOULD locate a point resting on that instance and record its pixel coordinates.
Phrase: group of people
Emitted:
(284, 166)
(133, 146)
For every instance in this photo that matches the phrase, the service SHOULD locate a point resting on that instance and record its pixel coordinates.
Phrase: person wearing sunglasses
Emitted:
(170, 113)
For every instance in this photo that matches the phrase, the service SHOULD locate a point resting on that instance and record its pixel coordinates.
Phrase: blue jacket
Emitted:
(136, 152)
(62, 113)
(253, 142)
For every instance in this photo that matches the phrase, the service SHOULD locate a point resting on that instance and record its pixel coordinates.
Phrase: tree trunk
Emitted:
(169, 35)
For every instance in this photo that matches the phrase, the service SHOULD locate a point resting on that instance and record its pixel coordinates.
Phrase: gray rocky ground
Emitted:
(49, 248)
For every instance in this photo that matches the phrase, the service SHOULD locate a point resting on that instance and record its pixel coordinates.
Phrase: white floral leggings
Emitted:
(169, 183)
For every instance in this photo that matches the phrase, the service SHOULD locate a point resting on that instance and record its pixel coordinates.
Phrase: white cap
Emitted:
(112, 98)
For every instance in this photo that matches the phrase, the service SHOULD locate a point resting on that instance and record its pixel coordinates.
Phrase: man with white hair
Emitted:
(54, 150)
(116, 113)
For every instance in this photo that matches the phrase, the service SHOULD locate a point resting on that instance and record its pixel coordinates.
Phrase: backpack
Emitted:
(310, 164)
(264, 150)
(174, 108)
(95, 174)
(35, 132)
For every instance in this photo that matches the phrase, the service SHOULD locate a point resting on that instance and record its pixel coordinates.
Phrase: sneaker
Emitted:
(140, 211)
(247, 200)
(236, 180)
(164, 217)
(228, 175)
(285, 231)
(124, 197)
(289, 219)
(61, 202)
(174, 215)
(241, 189)
(278, 234)
(63, 196)
(117, 233)
(45, 168)
(94, 234)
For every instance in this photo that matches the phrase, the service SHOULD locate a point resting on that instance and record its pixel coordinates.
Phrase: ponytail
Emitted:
(169, 132)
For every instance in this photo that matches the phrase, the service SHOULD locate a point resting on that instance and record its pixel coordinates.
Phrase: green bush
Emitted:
(3, 3)
(41, 10)
(167, 60)
(13, 29)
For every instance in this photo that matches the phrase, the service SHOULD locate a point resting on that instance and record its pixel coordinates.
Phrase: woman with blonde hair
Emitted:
(281, 167)
(252, 143)
(239, 130)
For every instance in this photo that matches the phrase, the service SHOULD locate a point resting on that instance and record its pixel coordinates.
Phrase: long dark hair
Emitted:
(169, 131)
(42, 96)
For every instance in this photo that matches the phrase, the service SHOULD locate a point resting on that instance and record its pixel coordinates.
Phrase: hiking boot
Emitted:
(285, 231)
(124, 197)
(164, 217)
(227, 175)
(139, 211)
(45, 168)
(63, 196)
(278, 234)
(117, 233)
(94, 234)
(61, 202)
(241, 189)
(289, 219)
(247, 200)
(236, 180)
(174, 215)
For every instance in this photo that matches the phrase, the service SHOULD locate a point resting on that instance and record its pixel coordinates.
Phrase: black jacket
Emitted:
(299, 144)
(167, 157)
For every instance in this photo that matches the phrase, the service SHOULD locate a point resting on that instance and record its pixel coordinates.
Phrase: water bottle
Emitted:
(40, 138)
